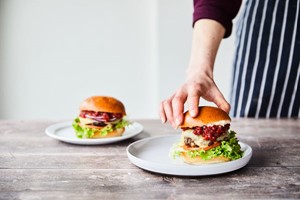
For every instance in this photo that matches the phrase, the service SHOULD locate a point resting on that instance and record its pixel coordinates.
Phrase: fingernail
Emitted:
(193, 113)
(177, 122)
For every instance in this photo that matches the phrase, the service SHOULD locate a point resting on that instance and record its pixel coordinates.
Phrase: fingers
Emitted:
(172, 109)
(193, 101)
(162, 114)
(178, 107)
(166, 113)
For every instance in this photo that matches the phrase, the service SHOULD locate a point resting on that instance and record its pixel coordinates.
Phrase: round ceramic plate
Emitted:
(64, 132)
(152, 154)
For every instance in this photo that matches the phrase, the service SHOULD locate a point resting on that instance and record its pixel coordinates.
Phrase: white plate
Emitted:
(65, 132)
(152, 154)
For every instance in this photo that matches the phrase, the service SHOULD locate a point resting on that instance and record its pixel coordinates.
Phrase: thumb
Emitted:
(219, 100)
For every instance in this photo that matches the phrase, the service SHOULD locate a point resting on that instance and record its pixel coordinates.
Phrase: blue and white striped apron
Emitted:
(266, 67)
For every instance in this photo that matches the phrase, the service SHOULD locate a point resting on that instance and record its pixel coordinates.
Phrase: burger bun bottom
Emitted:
(199, 161)
(115, 133)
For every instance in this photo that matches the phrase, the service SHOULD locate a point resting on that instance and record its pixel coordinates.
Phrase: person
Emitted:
(266, 66)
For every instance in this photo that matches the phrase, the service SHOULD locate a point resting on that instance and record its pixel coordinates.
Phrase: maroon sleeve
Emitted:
(222, 11)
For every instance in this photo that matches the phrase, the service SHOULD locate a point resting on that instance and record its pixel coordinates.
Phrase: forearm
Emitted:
(207, 36)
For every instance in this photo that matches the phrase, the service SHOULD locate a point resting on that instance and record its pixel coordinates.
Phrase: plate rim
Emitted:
(245, 159)
(97, 141)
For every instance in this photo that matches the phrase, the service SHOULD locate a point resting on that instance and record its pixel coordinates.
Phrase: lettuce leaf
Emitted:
(175, 150)
(122, 123)
(85, 132)
(229, 148)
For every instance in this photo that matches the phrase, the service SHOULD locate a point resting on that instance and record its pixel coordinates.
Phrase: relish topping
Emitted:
(211, 134)
(101, 116)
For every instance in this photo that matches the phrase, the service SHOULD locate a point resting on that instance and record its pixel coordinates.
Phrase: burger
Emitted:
(100, 117)
(206, 138)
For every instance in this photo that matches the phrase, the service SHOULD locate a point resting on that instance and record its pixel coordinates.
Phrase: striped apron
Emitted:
(266, 66)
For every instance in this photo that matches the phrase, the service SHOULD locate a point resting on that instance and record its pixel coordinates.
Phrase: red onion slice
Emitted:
(101, 118)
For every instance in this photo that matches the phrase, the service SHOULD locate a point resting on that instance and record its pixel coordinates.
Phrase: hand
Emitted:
(172, 108)
(207, 36)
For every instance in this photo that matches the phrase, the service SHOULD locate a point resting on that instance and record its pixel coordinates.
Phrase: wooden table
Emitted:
(35, 166)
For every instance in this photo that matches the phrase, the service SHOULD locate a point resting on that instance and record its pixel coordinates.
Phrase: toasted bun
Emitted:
(199, 161)
(115, 133)
(103, 104)
(206, 115)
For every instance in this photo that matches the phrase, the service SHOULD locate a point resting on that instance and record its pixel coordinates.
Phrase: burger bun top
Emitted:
(103, 104)
(207, 115)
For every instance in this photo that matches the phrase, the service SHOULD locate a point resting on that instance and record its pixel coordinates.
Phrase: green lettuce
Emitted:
(85, 132)
(229, 148)
(175, 151)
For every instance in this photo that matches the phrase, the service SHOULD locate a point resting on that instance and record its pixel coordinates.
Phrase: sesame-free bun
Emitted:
(199, 161)
(206, 115)
(115, 133)
(103, 104)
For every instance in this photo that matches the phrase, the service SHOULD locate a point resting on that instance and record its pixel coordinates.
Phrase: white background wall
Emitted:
(56, 53)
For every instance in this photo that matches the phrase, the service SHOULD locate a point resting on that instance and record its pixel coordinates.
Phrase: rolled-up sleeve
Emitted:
(222, 11)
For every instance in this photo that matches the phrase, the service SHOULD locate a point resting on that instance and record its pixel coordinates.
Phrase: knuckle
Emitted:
(176, 101)
(166, 102)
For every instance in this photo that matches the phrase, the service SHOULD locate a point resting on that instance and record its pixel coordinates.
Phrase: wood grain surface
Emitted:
(35, 166)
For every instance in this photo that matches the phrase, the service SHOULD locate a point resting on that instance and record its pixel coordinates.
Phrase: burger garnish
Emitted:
(100, 117)
(211, 133)
(207, 138)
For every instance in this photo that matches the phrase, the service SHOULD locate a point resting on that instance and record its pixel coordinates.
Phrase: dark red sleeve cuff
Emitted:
(222, 11)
